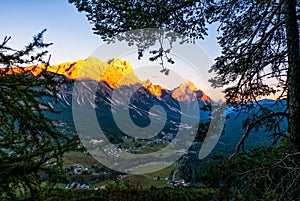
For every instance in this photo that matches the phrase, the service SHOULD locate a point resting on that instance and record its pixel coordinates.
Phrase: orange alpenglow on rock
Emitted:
(185, 92)
(119, 73)
(115, 73)
(205, 97)
(68, 69)
(188, 92)
(154, 89)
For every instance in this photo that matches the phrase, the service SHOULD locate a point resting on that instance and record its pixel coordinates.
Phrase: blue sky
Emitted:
(68, 30)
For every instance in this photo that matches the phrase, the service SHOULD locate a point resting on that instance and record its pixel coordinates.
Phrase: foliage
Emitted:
(110, 18)
(128, 21)
(114, 193)
(260, 56)
(260, 174)
(30, 144)
(253, 40)
(259, 41)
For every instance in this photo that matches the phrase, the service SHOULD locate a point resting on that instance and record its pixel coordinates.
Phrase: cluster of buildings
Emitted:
(76, 169)
(175, 183)
(77, 186)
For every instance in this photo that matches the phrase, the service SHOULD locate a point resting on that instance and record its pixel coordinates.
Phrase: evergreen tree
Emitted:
(31, 146)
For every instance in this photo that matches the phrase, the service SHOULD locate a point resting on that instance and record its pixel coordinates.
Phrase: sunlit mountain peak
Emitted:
(116, 73)
(154, 89)
(188, 92)
(119, 73)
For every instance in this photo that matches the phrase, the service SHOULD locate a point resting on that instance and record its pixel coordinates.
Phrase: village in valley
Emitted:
(91, 175)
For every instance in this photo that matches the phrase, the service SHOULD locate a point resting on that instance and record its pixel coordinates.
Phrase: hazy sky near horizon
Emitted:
(69, 30)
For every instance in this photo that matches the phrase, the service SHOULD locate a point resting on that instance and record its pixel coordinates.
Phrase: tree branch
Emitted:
(251, 126)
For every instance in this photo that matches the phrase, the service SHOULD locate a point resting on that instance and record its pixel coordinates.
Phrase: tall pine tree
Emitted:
(31, 146)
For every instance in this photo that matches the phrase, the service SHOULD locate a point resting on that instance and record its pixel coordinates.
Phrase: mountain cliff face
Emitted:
(188, 92)
(117, 76)
(117, 73)
(149, 95)
(156, 90)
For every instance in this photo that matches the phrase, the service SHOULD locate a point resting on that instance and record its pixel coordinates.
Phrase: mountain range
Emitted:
(116, 79)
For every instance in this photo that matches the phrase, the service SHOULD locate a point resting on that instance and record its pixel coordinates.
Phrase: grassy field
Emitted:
(145, 181)
(151, 179)
(79, 158)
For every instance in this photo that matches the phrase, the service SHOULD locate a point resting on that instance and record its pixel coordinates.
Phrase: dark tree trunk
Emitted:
(292, 33)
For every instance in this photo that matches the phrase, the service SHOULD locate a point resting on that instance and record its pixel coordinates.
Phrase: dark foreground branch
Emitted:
(251, 126)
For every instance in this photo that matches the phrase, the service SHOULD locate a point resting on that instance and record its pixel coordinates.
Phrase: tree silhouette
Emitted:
(260, 56)
(31, 146)
(259, 41)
